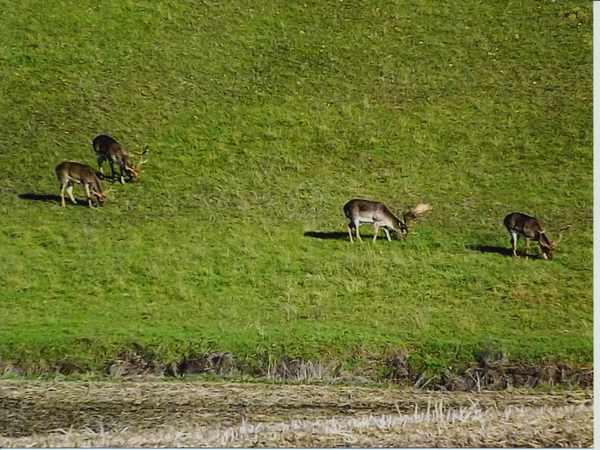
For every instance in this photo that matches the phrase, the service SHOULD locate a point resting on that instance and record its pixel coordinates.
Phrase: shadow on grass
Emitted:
(114, 179)
(501, 251)
(491, 249)
(340, 235)
(49, 198)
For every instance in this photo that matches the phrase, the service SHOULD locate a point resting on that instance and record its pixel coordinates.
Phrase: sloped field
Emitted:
(262, 120)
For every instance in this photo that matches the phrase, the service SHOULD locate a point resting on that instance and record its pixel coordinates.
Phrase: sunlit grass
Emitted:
(262, 121)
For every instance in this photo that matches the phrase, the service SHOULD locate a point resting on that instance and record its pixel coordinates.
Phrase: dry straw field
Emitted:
(179, 414)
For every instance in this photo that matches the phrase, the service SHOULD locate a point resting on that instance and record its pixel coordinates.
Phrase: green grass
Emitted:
(263, 119)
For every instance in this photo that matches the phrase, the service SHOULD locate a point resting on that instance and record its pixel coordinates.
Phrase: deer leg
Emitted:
(357, 233)
(513, 241)
(350, 233)
(387, 234)
(100, 161)
(112, 168)
(376, 231)
(122, 171)
(526, 247)
(88, 194)
(70, 192)
(62, 194)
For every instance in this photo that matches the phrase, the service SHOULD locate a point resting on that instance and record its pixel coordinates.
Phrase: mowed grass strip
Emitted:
(262, 121)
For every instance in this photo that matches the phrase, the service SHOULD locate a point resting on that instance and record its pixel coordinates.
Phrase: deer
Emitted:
(108, 149)
(360, 211)
(70, 172)
(519, 224)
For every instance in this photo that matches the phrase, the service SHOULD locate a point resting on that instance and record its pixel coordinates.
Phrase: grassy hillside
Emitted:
(263, 119)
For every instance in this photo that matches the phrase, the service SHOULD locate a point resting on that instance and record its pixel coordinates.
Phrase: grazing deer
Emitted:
(366, 211)
(108, 149)
(530, 228)
(69, 172)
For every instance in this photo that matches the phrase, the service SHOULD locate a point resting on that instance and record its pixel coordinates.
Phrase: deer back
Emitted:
(77, 172)
(371, 211)
(528, 226)
(389, 219)
(109, 148)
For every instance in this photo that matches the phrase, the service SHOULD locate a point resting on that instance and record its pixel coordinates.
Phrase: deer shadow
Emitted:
(49, 198)
(340, 235)
(504, 251)
(114, 179)
(490, 249)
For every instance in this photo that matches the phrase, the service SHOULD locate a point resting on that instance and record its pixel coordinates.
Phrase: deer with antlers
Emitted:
(71, 172)
(519, 224)
(108, 149)
(367, 211)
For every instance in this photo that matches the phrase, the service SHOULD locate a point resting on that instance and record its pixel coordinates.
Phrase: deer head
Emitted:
(135, 170)
(100, 195)
(402, 230)
(548, 246)
(413, 214)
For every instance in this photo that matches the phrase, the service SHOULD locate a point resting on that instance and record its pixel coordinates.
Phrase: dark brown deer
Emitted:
(367, 211)
(519, 224)
(108, 149)
(70, 172)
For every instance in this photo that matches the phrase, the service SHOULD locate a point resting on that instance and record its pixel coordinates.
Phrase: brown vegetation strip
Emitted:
(196, 414)
(490, 371)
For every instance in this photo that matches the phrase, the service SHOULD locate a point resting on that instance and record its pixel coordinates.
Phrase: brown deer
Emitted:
(108, 149)
(530, 228)
(367, 211)
(69, 172)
